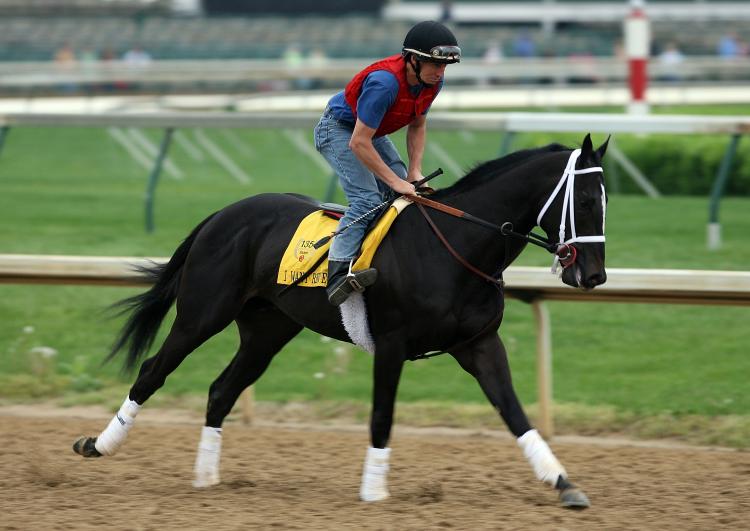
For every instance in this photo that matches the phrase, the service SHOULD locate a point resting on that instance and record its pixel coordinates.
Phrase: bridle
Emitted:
(564, 250)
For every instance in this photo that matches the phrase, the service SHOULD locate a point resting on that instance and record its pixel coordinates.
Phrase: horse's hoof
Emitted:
(574, 498)
(374, 496)
(204, 483)
(85, 447)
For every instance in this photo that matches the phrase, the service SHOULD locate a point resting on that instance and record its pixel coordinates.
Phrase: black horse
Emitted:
(424, 300)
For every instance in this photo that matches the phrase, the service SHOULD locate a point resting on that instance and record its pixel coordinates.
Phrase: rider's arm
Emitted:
(361, 146)
(379, 91)
(415, 141)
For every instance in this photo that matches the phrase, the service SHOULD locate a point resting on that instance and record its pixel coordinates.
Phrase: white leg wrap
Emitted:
(110, 440)
(207, 461)
(375, 475)
(546, 466)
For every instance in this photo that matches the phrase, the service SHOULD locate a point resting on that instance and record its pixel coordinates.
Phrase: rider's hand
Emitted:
(402, 187)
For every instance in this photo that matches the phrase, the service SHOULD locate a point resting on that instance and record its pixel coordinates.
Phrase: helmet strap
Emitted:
(417, 66)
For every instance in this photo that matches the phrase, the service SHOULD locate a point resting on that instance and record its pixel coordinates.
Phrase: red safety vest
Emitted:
(406, 107)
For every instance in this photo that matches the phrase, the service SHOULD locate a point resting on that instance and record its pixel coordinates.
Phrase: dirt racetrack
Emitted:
(301, 478)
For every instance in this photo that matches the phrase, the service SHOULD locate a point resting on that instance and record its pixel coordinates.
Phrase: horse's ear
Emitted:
(601, 150)
(587, 146)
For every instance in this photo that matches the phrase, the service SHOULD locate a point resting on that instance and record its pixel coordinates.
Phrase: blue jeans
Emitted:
(362, 188)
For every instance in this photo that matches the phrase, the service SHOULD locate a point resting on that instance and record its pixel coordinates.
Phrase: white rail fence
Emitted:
(533, 284)
(247, 72)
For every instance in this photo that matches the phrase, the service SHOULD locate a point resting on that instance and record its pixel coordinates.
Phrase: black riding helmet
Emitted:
(432, 41)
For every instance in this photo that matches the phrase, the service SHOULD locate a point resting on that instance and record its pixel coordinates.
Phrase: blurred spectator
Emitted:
(293, 59)
(317, 59)
(89, 60)
(107, 59)
(65, 56)
(618, 50)
(89, 56)
(108, 55)
(491, 56)
(65, 64)
(524, 45)
(729, 46)
(671, 59)
(137, 57)
(292, 56)
(494, 52)
(583, 68)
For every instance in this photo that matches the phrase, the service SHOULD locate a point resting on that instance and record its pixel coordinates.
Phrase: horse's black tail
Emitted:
(148, 309)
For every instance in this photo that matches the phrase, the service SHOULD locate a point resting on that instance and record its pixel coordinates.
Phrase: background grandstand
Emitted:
(34, 30)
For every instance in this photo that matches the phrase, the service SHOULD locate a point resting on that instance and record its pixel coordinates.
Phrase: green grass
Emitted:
(75, 191)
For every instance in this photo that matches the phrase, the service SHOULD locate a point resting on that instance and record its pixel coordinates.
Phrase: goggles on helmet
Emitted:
(438, 54)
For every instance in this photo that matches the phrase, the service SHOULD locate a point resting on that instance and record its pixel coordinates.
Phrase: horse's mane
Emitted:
(486, 171)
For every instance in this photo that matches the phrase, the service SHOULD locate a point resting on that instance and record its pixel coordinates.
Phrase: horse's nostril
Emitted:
(597, 279)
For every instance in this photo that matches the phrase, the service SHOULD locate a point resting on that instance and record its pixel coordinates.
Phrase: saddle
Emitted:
(301, 256)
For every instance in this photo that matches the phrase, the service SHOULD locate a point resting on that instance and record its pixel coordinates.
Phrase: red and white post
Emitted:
(637, 48)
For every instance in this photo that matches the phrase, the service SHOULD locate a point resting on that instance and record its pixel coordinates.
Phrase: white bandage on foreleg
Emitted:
(375, 475)
(546, 466)
(110, 440)
(207, 460)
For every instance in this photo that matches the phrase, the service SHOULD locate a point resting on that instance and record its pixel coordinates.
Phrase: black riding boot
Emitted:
(342, 281)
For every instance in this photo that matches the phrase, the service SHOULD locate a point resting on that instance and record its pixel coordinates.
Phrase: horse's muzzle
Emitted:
(595, 279)
(576, 277)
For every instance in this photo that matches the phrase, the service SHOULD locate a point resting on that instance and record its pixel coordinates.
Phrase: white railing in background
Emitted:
(532, 284)
(557, 71)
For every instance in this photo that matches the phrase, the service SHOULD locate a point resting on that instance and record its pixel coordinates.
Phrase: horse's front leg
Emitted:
(386, 375)
(487, 360)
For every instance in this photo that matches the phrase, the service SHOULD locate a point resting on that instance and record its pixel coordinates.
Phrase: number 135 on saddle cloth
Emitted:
(301, 255)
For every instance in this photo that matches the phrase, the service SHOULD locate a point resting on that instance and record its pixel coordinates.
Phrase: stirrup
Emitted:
(351, 278)
(352, 281)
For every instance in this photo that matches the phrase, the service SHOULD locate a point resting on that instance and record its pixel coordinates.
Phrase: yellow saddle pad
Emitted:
(300, 255)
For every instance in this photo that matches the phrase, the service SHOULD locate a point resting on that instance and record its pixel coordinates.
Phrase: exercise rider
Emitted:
(352, 135)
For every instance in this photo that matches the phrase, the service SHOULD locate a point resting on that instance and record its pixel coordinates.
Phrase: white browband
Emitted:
(568, 210)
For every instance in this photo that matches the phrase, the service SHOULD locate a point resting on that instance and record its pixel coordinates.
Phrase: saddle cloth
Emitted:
(300, 255)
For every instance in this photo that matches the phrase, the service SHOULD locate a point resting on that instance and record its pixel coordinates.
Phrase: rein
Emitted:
(506, 229)
(461, 260)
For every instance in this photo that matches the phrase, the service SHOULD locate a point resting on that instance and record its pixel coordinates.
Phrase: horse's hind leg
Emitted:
(198, 319)
(487, 360)
(264, 330)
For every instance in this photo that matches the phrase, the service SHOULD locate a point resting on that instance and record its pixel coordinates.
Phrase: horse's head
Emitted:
(574, 217)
